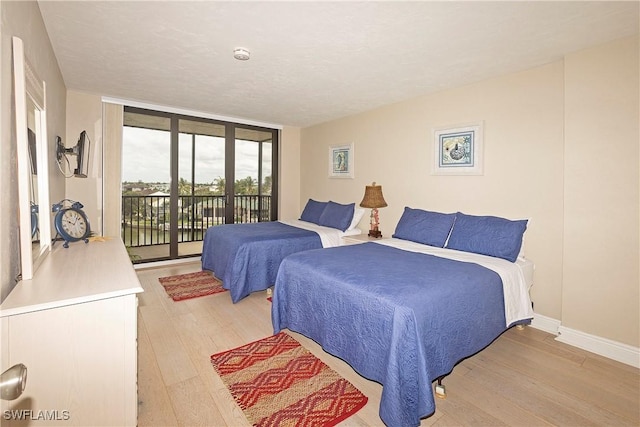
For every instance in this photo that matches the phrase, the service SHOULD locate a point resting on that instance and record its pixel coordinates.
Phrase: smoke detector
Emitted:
(241, 54)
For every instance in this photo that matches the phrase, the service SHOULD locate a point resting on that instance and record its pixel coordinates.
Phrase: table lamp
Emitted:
(373, 199)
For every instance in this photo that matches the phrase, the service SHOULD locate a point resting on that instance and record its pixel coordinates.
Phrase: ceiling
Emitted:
(312, 61)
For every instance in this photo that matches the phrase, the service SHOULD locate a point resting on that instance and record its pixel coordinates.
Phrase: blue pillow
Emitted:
(487, 235)
(429, 228)
(337, 216)
(312, 211)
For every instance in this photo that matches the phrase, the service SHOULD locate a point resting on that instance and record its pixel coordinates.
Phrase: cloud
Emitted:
(146, 157)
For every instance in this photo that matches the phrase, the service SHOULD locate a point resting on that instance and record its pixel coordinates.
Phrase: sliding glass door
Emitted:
(200, 184)
(146, 185)
(253, 188)
(182, 175)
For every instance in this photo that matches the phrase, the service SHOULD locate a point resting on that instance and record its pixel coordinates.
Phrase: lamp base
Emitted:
(375, 233)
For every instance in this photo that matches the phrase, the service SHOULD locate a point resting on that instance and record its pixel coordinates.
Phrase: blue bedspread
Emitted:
(246, 257)
(400, 318)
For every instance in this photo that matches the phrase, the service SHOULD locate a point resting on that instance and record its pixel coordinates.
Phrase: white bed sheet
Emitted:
(517, 304)
(328, 236)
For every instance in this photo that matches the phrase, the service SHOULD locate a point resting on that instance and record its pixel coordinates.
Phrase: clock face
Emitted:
(73, 224)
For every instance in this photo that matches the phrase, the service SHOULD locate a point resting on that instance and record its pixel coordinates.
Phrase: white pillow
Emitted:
(358, 213)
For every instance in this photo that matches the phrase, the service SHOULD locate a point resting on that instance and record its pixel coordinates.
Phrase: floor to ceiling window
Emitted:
(182, 175)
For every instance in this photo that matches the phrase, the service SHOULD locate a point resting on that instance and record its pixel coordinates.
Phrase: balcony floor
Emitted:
(156, 252)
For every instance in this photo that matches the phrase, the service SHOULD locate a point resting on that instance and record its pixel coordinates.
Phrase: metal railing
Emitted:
(146, 219)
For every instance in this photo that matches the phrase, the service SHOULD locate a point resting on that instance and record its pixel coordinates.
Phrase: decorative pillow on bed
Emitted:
(312, 211)
(429, 228)
(337, 216)
(487, 235)
(358, 213)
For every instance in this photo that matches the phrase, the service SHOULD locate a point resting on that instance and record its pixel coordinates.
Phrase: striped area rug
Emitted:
(277, 382)
(191, 285)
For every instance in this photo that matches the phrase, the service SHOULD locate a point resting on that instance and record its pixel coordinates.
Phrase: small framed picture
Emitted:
(458, 150)
(341, 161)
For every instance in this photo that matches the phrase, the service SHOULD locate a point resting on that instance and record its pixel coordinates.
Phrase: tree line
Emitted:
(244, 186)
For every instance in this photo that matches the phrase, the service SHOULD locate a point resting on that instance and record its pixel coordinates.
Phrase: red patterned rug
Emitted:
(277, 382)
(191, 285)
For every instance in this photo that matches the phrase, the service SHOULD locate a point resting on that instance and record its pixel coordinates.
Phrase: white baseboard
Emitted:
(624, 353)
(620, 352)
(546, 324)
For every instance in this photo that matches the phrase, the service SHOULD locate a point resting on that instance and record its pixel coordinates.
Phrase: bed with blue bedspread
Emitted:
(246, 257)
(400, 312)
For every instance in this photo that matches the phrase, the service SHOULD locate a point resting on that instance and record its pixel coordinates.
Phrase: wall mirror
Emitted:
(33, 164)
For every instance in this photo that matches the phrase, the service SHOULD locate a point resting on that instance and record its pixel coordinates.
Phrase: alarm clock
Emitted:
(71, 222)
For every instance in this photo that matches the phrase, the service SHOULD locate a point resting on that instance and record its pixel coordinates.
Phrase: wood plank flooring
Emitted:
(525, 378)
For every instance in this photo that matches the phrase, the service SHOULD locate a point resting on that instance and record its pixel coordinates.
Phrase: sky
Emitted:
(145, 157)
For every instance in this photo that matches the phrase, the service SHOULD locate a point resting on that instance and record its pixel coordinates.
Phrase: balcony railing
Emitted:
(146, 220)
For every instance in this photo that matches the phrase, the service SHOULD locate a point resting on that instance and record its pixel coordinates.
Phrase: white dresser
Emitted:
(74, 326)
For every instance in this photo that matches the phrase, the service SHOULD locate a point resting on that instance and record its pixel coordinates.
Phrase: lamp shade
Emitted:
(373, 197)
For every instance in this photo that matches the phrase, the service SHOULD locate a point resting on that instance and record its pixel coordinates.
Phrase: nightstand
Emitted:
(358, 238)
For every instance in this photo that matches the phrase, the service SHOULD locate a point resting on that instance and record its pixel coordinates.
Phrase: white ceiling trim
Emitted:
(186, 112)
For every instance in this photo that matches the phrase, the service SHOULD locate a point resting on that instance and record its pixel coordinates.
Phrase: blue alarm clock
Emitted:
(71, 222)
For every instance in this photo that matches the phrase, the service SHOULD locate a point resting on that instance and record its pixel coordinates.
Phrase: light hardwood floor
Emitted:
(524, 378)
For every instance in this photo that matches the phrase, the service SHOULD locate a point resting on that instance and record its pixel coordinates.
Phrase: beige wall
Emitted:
(600, 287)
(84, 112)
(526, 163)
(289, 174)
(522, 117)
(23, 19)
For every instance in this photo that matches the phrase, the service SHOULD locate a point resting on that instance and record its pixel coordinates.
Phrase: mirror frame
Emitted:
(27, 84)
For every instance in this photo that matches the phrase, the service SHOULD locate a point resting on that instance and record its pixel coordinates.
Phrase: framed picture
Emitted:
(341, 161)
(458, 151)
